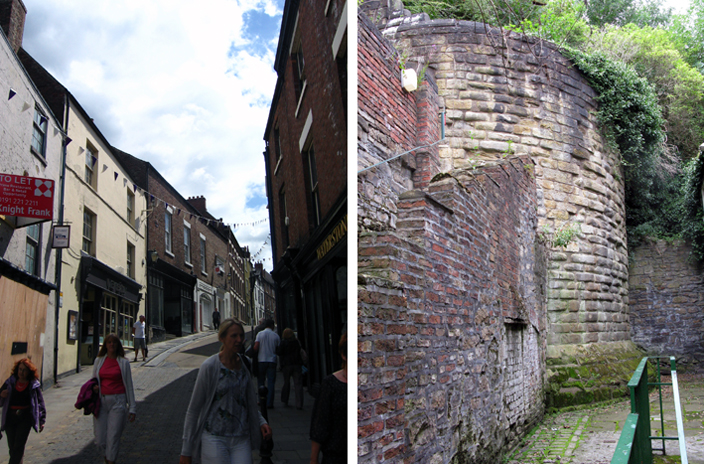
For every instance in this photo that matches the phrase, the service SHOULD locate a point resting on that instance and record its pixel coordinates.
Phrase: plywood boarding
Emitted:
(22, 319)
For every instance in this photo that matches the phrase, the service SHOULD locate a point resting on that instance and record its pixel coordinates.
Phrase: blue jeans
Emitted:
(267, 372)
(225, 450)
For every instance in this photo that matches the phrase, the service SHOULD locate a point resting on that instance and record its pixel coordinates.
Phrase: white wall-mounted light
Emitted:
(409, 80)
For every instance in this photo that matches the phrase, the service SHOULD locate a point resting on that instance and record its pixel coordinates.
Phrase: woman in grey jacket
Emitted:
(116, 395)
(223, 423)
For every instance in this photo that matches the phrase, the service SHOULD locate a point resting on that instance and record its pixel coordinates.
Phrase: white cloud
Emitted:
(169, 81)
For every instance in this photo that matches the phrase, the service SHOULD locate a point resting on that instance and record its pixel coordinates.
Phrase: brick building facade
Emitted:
(188, 254)
(306, 171)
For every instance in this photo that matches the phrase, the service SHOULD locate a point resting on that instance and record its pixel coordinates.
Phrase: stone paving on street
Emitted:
(589, 436)
(163, 387)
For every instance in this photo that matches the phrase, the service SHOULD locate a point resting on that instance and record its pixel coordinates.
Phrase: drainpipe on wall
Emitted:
(59, 251)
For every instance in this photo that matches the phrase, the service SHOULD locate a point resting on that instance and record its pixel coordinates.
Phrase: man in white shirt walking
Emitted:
(140, 342)
(265, 345)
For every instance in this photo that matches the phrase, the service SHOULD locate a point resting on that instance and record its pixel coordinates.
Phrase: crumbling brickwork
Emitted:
(452, 322)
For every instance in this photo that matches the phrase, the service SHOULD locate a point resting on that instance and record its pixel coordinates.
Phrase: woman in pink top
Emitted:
(117, 403)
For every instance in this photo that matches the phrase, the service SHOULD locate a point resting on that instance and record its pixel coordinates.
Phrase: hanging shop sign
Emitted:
(29, 197)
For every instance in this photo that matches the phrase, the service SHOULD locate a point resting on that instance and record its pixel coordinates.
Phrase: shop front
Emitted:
(312, 295)
(170, 302)
(109, 304)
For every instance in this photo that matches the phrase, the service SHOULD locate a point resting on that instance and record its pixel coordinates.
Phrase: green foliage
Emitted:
(680, 88)
(494, 12)
(559, 21)
(692, 207)
(630, 115)
(562, 236)
(688, 33)
(622, 12)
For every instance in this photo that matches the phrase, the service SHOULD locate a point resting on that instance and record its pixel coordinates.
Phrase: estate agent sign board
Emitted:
(28, 197)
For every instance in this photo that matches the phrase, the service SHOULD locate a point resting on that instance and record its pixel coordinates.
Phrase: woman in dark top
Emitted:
(328, 429)
(22, 407)
(289, 352)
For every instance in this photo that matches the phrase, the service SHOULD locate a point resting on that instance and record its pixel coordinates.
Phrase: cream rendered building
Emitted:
(103, 273)
(30, 146)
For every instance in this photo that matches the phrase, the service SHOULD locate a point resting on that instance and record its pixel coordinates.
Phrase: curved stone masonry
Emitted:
(507, 96)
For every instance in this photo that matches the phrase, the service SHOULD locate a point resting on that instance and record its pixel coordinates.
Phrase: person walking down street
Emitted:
(223, 423)
(117, 403)
(23, 407)
(265, 346)
(216, 319)
(289, 352)
(140, 341)
(328, 427)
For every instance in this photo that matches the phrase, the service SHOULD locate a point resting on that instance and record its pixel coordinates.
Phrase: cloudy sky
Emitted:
(184, 85)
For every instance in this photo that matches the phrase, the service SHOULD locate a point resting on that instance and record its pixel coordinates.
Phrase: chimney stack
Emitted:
(12, 15)
(199, 204)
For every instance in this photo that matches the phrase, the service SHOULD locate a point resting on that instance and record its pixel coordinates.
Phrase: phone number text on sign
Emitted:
(26, 196)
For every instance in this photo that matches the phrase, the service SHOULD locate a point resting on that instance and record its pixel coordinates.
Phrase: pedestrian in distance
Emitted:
(265, 346)
(289, 352)
(23, 407)
(140, 341)
(216, 319)
(117, 403)
(328, 427)
(222, 423)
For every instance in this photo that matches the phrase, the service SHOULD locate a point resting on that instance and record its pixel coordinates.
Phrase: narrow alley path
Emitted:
(589, 436)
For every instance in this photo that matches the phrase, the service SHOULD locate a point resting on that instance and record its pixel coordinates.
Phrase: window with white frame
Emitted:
(203, 267)
(90, 176)
(39, 134)
(299, 65)
(312, 185)
(168, 218)
(187, 242)
(277, 149)
(89, 222)
(130, 260)
(130, 207)
(31, 260)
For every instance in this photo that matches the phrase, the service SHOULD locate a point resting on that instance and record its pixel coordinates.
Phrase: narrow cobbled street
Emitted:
(163, 387)
(589, 435)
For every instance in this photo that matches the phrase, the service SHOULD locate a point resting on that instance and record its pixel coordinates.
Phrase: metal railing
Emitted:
(634, 446)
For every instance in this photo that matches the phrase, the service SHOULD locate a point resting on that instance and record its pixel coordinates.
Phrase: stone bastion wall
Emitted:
(506, 95)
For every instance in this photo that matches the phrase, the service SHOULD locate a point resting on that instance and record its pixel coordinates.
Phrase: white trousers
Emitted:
(109, 424)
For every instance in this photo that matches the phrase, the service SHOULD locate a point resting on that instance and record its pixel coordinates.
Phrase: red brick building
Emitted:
(306, 169)
(192, 259)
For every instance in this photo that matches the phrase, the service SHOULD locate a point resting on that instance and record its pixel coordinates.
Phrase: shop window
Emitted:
(89, 222)
(127, 319)
(39, 134)
(31, 261)
(156, 301)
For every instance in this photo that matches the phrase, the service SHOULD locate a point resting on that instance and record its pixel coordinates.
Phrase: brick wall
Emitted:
(506, 96)
(323, 99)
(452, 322)
(666, 298)
(215, 243)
